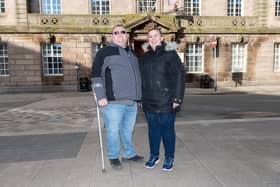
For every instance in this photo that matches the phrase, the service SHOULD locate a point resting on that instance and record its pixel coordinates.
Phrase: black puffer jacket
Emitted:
(162, 79)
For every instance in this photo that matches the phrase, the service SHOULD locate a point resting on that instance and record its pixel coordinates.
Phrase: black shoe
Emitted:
(115, 163)
(135, 158)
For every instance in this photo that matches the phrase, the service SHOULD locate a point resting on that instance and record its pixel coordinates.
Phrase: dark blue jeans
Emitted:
(161, 125)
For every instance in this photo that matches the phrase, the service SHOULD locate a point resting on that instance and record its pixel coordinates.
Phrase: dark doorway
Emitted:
(138, 47)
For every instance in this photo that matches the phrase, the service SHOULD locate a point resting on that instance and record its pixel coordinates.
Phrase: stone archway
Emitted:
(139, 29)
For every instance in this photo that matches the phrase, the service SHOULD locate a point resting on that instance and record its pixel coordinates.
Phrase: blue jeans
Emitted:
(161, 125)
(119, 123)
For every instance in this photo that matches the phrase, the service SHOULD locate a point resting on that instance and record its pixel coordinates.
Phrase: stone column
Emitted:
(262, 12)
(21, 11)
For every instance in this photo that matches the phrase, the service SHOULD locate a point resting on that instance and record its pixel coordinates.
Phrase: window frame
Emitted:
(234, 8)
(276, 63)
(277, 7)
(45, 56)
(195, 55)
(192, 8)
(2, 9)
(100, 10)
(234, 63)
(147, 7)
(95, 47)
(5, 57)
(51, 5)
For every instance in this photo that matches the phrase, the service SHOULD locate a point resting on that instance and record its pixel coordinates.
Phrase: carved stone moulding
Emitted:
(49, 20)
(101, 21)
(239, 22)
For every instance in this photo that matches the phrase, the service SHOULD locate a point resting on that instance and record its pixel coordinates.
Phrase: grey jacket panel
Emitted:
(124, 75)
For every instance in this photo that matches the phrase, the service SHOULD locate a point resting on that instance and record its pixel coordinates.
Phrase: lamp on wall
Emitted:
(103, 41)
(241, 38)
(197, 39)
(77, 67)
(52, 38)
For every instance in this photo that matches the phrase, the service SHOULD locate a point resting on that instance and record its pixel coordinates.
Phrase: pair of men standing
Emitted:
(120, 82)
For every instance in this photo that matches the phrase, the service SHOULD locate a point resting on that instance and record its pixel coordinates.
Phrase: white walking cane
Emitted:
(99, 132)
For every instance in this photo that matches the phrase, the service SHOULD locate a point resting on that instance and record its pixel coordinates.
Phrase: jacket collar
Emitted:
(167, 46)
(158, 48)
(115, 45)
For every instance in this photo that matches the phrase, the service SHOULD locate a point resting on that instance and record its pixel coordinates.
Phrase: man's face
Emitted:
(119, 36)
(154, 38)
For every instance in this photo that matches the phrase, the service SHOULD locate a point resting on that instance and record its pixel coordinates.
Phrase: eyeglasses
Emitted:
(119, 32)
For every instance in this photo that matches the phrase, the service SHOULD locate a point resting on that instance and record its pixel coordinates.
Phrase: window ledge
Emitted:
(53, 75)
(3, 14)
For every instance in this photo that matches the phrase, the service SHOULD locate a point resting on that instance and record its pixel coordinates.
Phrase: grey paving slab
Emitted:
(68, 114)
(222, 150)
(18, 174)
(210, 152)
(40, 147)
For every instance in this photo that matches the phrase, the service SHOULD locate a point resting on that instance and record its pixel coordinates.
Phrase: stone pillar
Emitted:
(262, 12)
(21, 11)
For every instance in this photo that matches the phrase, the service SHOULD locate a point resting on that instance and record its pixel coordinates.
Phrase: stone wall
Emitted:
(24, 55)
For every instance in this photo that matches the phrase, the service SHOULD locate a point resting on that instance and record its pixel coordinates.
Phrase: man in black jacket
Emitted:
(162, 94)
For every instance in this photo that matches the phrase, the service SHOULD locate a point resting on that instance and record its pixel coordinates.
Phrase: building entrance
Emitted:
(138, 47)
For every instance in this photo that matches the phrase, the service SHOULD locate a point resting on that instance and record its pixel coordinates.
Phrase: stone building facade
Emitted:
(50, 44)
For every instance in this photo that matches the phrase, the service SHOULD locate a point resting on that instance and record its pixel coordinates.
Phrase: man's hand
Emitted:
(140, 104)
(175, 105)
(102, 102)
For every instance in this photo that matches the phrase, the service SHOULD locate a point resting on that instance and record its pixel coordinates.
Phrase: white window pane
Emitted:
(192, 7)
(51, 59)
(277, 7)
(234, 7)
(51, 7)
(4, 59)
(100, 7)
(146, 5)
(2, 6)
(276, 67)
(194, 58)
(238, 58)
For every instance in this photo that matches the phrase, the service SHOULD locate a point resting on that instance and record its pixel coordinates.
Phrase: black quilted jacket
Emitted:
(162, 79)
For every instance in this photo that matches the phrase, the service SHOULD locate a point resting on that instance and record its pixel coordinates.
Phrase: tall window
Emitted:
(2, 6)
(234, 8)
(194, 58)
(33, 6)
(52, 59)
(276, 67)
(277, 7)
(3, 59)
(95, 48)
(238, 57)
(51, 6)
(146, 5)
(192, 7)
(100, 7)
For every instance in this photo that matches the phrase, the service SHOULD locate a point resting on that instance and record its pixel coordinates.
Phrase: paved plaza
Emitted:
(51, 140)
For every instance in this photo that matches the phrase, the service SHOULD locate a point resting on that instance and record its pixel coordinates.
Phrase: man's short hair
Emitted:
(119, 25)
(155, 29)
